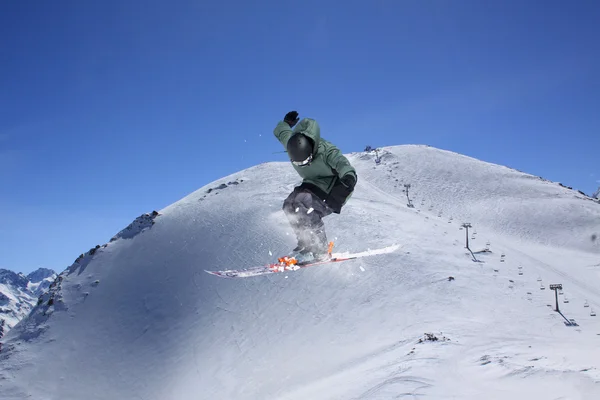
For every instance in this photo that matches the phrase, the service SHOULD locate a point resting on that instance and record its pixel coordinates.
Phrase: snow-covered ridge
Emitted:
(40, 293)
(53, 300)
(140, 224)
(139, 317)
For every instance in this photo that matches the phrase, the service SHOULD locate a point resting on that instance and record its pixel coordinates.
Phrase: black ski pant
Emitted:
(305, 211)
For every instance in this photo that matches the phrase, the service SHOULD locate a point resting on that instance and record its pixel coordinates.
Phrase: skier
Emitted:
(328, 181)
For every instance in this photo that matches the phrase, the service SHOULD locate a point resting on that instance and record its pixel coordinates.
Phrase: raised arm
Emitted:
(283, 130)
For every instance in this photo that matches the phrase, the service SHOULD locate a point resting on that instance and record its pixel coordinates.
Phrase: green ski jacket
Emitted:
(322, 175)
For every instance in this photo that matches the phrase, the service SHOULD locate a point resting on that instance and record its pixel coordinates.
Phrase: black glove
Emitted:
(291, 118)
(340, 192)
(349, 181)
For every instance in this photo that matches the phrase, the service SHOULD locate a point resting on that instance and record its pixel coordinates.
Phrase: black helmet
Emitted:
(300, 149)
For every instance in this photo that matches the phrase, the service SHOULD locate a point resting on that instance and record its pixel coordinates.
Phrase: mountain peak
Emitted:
(13, 278)
(40, 274)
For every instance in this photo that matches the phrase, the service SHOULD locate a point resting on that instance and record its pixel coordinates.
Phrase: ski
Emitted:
(286, 264)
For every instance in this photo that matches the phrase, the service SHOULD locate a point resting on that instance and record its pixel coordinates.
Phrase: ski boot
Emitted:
(315, 254)
(320, 249)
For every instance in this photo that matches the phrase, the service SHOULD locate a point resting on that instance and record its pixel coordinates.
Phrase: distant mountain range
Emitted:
(19, 293)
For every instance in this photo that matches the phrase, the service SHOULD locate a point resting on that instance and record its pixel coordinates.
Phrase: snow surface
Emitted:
(139, 318)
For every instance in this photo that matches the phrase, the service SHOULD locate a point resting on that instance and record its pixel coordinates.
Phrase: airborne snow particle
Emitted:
(594, 237)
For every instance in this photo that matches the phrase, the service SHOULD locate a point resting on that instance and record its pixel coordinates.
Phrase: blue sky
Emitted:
(115, 108)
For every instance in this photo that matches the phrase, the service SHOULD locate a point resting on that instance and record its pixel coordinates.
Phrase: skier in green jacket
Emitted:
(328, 181)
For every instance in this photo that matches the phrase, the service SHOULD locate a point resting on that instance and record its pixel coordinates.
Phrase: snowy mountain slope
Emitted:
(597, 194)
(504, 200)
(138, 317)
(18, 294)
